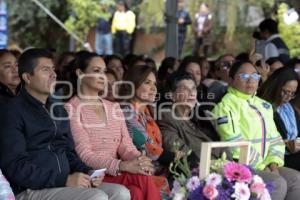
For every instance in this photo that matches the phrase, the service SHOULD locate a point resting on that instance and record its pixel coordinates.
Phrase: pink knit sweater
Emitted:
(100, 145)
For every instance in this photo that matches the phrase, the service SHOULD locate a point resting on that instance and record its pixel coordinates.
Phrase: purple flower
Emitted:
(270, 187)
(193, 183)
(224, 194)
(197, 194)
(225, 190)
(213, 179)
(176, 188)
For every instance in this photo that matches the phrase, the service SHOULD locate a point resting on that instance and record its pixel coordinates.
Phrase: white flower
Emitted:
(179, 196)
(213, 179)
(193, 183)
(257, 179)
(241, 191)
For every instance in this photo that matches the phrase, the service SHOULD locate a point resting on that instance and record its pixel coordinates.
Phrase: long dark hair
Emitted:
(182, 68)
(109, 58)
(272, 88)
(81, 61)
(136, 75)
(167, 63)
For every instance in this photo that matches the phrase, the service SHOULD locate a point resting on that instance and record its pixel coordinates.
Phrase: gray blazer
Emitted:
(187, 134)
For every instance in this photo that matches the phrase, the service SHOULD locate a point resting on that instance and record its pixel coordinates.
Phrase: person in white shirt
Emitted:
(274, 45)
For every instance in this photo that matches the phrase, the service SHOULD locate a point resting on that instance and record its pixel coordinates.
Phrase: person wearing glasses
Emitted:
(280, 89)
(180, 123)
(242, 116)
(218, 83)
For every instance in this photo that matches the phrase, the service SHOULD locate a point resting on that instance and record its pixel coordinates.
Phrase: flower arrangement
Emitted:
(227, 180)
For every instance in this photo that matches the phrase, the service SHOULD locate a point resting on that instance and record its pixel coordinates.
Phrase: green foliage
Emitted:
(30, 26)
(151, 14)
(216, 166)
(263, 3)
(85, 14)
(232, 19)
(180, 167)
(289, 33)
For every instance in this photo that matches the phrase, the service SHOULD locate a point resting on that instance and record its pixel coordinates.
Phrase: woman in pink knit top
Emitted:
(100, 132)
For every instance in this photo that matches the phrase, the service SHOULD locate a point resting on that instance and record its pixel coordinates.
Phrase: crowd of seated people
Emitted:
(241, 115)
(100, 133)
(124, 115)
(37, 153)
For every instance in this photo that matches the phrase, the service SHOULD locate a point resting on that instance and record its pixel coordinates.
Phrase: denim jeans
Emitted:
(104, 43)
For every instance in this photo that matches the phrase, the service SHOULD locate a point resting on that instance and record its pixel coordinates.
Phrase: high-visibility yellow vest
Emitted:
(242, 117)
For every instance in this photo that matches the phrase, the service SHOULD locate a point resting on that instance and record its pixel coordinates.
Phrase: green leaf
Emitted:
(289, 33)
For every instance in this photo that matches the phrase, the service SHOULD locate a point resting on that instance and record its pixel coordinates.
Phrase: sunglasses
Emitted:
(246, 77)
(226, 64)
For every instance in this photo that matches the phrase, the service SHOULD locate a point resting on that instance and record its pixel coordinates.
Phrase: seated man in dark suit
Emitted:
(36, 148)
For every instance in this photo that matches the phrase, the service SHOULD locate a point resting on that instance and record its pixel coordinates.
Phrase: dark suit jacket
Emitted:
(187, 134)
(36, 146)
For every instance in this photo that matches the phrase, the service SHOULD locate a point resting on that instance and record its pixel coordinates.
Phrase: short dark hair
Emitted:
(269, 25)
(122, 2)
(242, 56)
(5, 51)
(186, 61)
(29, 59)
(181, 77)
(236, 66)
(167, 63)
(109, 58)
